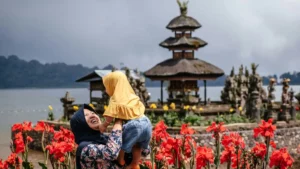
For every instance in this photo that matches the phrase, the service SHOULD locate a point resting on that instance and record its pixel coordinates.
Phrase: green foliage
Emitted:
(50, 116)
(27, 165)
(298, 116)
(171, 119)
(174, 119)
(233, 118)
(194, 120)
(43, 165)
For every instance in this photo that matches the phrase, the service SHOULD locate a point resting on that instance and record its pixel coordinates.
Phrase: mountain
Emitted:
(108, 67)
(18, 73)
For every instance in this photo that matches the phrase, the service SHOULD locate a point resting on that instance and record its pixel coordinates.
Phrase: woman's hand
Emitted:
(102, 127)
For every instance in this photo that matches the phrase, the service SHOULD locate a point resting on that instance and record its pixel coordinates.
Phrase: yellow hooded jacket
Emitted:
(123, 103)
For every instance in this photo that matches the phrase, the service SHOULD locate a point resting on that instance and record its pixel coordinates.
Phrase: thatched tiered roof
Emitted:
(184, 69)
(183, 22)
(192, 43)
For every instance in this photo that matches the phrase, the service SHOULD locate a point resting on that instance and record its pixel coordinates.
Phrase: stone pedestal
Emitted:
(255, 105)
(293, 113)
(67, 104)
(284, 115)
(270, 113)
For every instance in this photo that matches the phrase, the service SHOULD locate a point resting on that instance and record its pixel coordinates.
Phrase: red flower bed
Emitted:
(179, 151)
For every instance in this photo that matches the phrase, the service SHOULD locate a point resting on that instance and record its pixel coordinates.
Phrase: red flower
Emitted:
(14, 161)
(216, 128)
(148, 164)
(259, 150)
(236, 158)
(266, 129)
(281, 158)
(272, 144)
(29, 139)
(62, 143)
(204, 157)
(297, 108)
(170, 149)
(42, 126)
(189, 145)
(26, 126)
(59, 150)
(17, 126)
(64, 135)
(233, 139)
(19, 143)
(227, 154)
(160, 131)
(186, 130)
(159, 156)
(2, 165)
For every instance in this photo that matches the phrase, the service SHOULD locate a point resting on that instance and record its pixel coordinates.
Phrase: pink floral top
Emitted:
(99, 156)
(96, 156)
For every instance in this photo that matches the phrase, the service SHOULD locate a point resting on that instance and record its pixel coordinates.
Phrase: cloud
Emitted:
(96, 33)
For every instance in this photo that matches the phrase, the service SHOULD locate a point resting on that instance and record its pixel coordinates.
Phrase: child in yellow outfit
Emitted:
(125, 104)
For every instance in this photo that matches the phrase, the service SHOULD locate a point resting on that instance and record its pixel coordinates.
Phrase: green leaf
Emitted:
(27, 165)
(43, 165)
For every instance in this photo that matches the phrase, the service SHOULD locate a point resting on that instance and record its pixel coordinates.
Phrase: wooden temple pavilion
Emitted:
(96, 84)
(183, 70)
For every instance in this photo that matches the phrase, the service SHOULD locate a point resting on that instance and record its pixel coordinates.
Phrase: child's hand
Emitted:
(102, 128)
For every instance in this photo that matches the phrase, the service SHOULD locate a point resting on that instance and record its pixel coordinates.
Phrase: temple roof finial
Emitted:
(183, 7)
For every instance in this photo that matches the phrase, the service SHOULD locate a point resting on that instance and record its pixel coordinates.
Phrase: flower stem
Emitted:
(47, 156)
(229, 164)
(208, 165)
(237, 158)
(217, 159)
(267, 155)
(152, 158)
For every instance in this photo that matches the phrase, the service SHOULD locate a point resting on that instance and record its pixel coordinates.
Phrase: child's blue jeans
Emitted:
(136, 131)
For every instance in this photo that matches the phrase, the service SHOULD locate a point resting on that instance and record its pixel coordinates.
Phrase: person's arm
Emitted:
(109, 151)
(103, 126)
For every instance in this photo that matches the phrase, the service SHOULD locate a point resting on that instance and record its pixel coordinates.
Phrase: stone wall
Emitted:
(286, 135)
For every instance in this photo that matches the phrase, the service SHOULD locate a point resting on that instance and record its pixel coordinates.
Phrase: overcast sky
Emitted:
(99, 32)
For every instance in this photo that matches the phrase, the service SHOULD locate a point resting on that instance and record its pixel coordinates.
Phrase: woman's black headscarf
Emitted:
(84, 135)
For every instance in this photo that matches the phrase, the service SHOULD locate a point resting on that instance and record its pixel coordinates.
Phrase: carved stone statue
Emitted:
(228, 93)
(256, 94)
(285, 101)
(292, 106)
(138, 86)
(271, 98)
(245, 91)
(285, 96)
(183, 7)
(271, 90)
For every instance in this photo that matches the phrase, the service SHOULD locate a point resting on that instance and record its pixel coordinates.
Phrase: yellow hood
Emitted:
(123, 103)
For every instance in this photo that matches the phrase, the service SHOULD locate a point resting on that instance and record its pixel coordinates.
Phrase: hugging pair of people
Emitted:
(129, 138)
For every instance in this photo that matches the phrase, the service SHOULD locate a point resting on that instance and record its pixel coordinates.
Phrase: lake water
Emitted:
(17, 105)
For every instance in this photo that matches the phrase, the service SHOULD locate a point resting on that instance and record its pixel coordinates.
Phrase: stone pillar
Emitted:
(255, 106)
(292, 107)
(270, 113)
(67, 103)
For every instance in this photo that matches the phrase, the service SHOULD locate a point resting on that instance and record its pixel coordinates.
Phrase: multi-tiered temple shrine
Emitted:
(183, 70)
